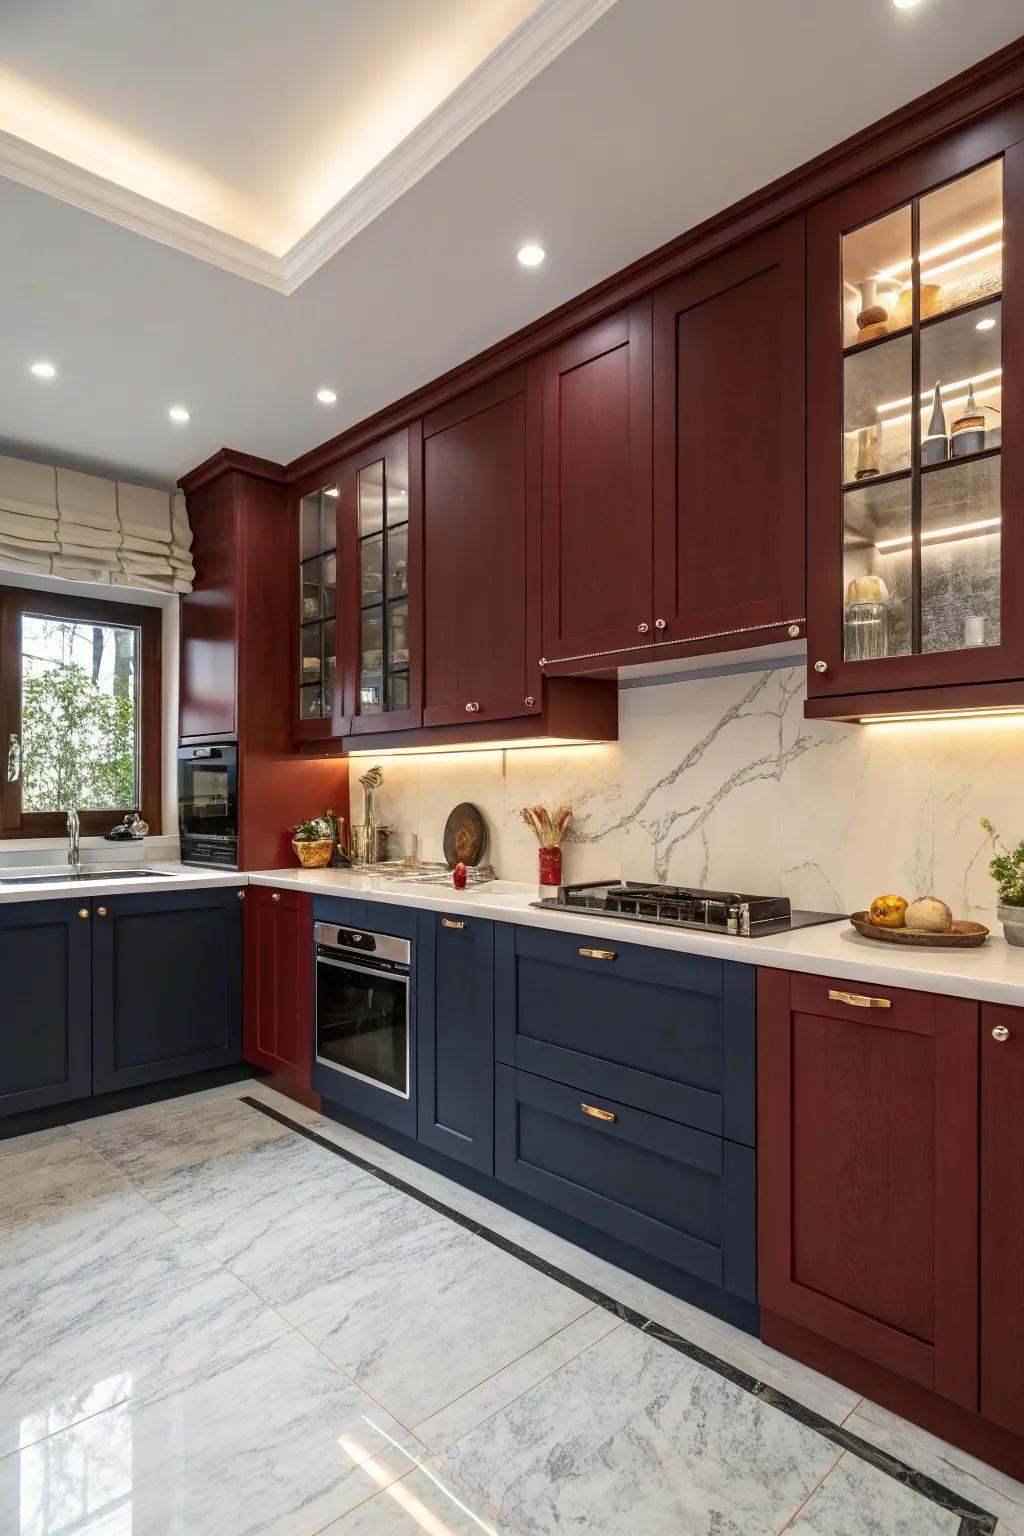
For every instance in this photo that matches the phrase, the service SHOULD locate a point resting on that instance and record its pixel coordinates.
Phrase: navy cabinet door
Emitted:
(167, 985)
(45, 1004)
(456, 1037)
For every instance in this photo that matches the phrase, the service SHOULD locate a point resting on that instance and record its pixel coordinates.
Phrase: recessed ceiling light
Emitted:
(179, 413)
(904, 5)
(44, 370)
(985, 325)
(326, 396)
(531, 255)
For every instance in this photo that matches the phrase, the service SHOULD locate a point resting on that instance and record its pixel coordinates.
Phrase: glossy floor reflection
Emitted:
(211, 1324)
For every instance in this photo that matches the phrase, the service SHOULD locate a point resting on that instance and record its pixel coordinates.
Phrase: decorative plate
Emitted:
(465, 836)
(963, 935)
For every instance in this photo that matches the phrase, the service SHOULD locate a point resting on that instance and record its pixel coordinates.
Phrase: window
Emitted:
(80, 713)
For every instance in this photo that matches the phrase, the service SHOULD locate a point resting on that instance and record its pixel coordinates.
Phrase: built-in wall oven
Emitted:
(208, 805)
(363, 1011)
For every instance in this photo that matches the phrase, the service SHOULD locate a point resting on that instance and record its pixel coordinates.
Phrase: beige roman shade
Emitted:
(59, 522)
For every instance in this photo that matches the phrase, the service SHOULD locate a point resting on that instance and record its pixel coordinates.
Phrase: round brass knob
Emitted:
(275, 895)
(240, 895)
(83, 911)
(794, 630)
(821, 666)
(642, 629)
(1000, 1033)
(472, 709)
(659, 623)
(102, 911)
(529, 701)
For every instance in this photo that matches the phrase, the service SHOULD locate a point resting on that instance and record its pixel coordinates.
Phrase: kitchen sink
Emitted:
(62, 877)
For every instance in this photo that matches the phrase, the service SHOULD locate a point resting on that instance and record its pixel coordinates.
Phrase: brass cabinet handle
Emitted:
(821, 666)
(472, 709)
(858, 1000)
(598, 954)
(451, 922)
(240, 895)
(1000, 1033)
(659, 623)
(793, 631)
(597, 1114)
(642, 629)
(83, 911)
(530, 700)
(275, 895)
(101, 911)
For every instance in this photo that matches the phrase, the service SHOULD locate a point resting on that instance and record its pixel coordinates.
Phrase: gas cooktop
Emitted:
(678, 906)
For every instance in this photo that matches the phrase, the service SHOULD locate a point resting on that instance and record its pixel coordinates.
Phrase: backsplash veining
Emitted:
(721, 782)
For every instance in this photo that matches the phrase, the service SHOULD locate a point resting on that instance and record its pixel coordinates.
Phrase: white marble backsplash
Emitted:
(720, 781)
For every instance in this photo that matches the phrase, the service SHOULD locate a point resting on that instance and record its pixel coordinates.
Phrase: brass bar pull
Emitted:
(598, 1114)
(857, 1000)
(598, 954)
(451, 922)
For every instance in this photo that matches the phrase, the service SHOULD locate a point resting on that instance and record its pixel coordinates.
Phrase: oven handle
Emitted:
(400, 972)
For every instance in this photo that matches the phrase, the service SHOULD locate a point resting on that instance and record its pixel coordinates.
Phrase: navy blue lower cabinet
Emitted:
(680, 1195)
(45, 1004)
(166, 985)
(338, 1001)
(665, 1032)
(455, 1022)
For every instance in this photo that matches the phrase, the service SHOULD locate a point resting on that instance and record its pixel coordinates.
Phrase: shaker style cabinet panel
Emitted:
(729, 399)
(1002, 1216)
(455, 980)
(45, 1004)
(597, 488)
(278, 995)
(481, 561)
(166, 985)
(868, 1173)
(915, 399)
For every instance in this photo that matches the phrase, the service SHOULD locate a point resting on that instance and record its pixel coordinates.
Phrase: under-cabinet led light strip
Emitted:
(934, 534)
(992, 712)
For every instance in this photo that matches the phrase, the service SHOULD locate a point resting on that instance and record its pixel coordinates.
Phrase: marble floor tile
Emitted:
(633, 1436)
(302, 1258)
(104, 1301)
(432, 1324)
(855, 1499)
(34, 1139)
(273, 1440)
(428, 1501)
(504, 1386)
(49, 1176)
(992, 1490)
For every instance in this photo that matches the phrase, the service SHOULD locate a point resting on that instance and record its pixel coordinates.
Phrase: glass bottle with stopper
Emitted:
(934, 444)
(968, 431)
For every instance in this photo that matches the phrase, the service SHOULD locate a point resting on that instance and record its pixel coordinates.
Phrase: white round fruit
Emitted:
(929, 914)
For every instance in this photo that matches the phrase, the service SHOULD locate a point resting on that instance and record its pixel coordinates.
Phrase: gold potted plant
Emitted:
(313, 841)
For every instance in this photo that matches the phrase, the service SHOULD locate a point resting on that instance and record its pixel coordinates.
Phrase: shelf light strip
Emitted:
(940, 533)
(991, 712)
(979, 378)
(892, 274)
(947, 405)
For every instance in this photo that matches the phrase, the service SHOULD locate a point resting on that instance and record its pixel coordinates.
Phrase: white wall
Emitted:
(719, 781)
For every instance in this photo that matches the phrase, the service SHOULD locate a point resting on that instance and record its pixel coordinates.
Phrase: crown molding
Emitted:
(538, 40)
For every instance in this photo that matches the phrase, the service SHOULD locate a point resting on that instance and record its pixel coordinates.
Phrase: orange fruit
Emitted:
(889, 911)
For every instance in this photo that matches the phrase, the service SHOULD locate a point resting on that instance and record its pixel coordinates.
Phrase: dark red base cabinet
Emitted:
(891, 1200)
(278, 1029)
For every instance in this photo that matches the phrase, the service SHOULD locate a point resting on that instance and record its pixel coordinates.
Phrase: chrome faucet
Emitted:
(73, 855)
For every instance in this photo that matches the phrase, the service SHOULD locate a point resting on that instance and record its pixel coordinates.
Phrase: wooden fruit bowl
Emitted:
(963, 935)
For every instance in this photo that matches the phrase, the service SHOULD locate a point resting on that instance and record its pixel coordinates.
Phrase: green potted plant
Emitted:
(313, 840)
(1007, 869)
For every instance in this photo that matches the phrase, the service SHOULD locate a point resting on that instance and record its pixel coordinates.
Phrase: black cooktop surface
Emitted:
(676, 906)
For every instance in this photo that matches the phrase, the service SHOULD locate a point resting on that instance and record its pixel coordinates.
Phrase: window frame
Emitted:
(18, 601)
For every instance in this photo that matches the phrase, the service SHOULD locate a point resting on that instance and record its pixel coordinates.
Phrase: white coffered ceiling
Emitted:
(164, 169)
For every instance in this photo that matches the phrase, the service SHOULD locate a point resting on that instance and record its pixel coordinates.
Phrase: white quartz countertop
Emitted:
(993, 973)
(178, 877)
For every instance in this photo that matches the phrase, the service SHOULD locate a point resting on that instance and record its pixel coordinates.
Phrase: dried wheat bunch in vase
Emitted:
(549, 828)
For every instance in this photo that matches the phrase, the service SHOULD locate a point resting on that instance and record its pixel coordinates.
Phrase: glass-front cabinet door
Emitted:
(915, 515)
(380, 517)
(318, 622)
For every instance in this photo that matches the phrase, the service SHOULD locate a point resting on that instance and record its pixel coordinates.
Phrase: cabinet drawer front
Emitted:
(661, 1031)
(676, 1194)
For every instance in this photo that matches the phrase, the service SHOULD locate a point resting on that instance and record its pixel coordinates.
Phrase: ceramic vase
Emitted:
(1012, 919)
(550, 860)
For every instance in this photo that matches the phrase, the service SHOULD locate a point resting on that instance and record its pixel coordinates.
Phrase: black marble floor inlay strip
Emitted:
(974, 1521)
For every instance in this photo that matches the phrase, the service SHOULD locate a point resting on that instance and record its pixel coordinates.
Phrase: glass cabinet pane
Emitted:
(382, 492)
(371, 567)
(329, 585)
(318, 602)
(397, 495)
(330, 665)
(371, 499)
(310, 653)
(309, 526)
(922, 424)
(311, 578)
(398, 562)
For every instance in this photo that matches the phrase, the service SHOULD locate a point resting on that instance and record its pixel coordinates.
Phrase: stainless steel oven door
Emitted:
(362, 1020)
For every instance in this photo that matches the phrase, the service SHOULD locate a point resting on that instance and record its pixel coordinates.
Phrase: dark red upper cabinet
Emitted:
(915, 396)
(597, 489)
(729, 446)
(481, 553)
(379, 544)
(868, 1174)
(1002, 1216)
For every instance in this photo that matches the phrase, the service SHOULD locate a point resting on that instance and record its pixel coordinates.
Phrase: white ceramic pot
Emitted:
(1012, 919)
